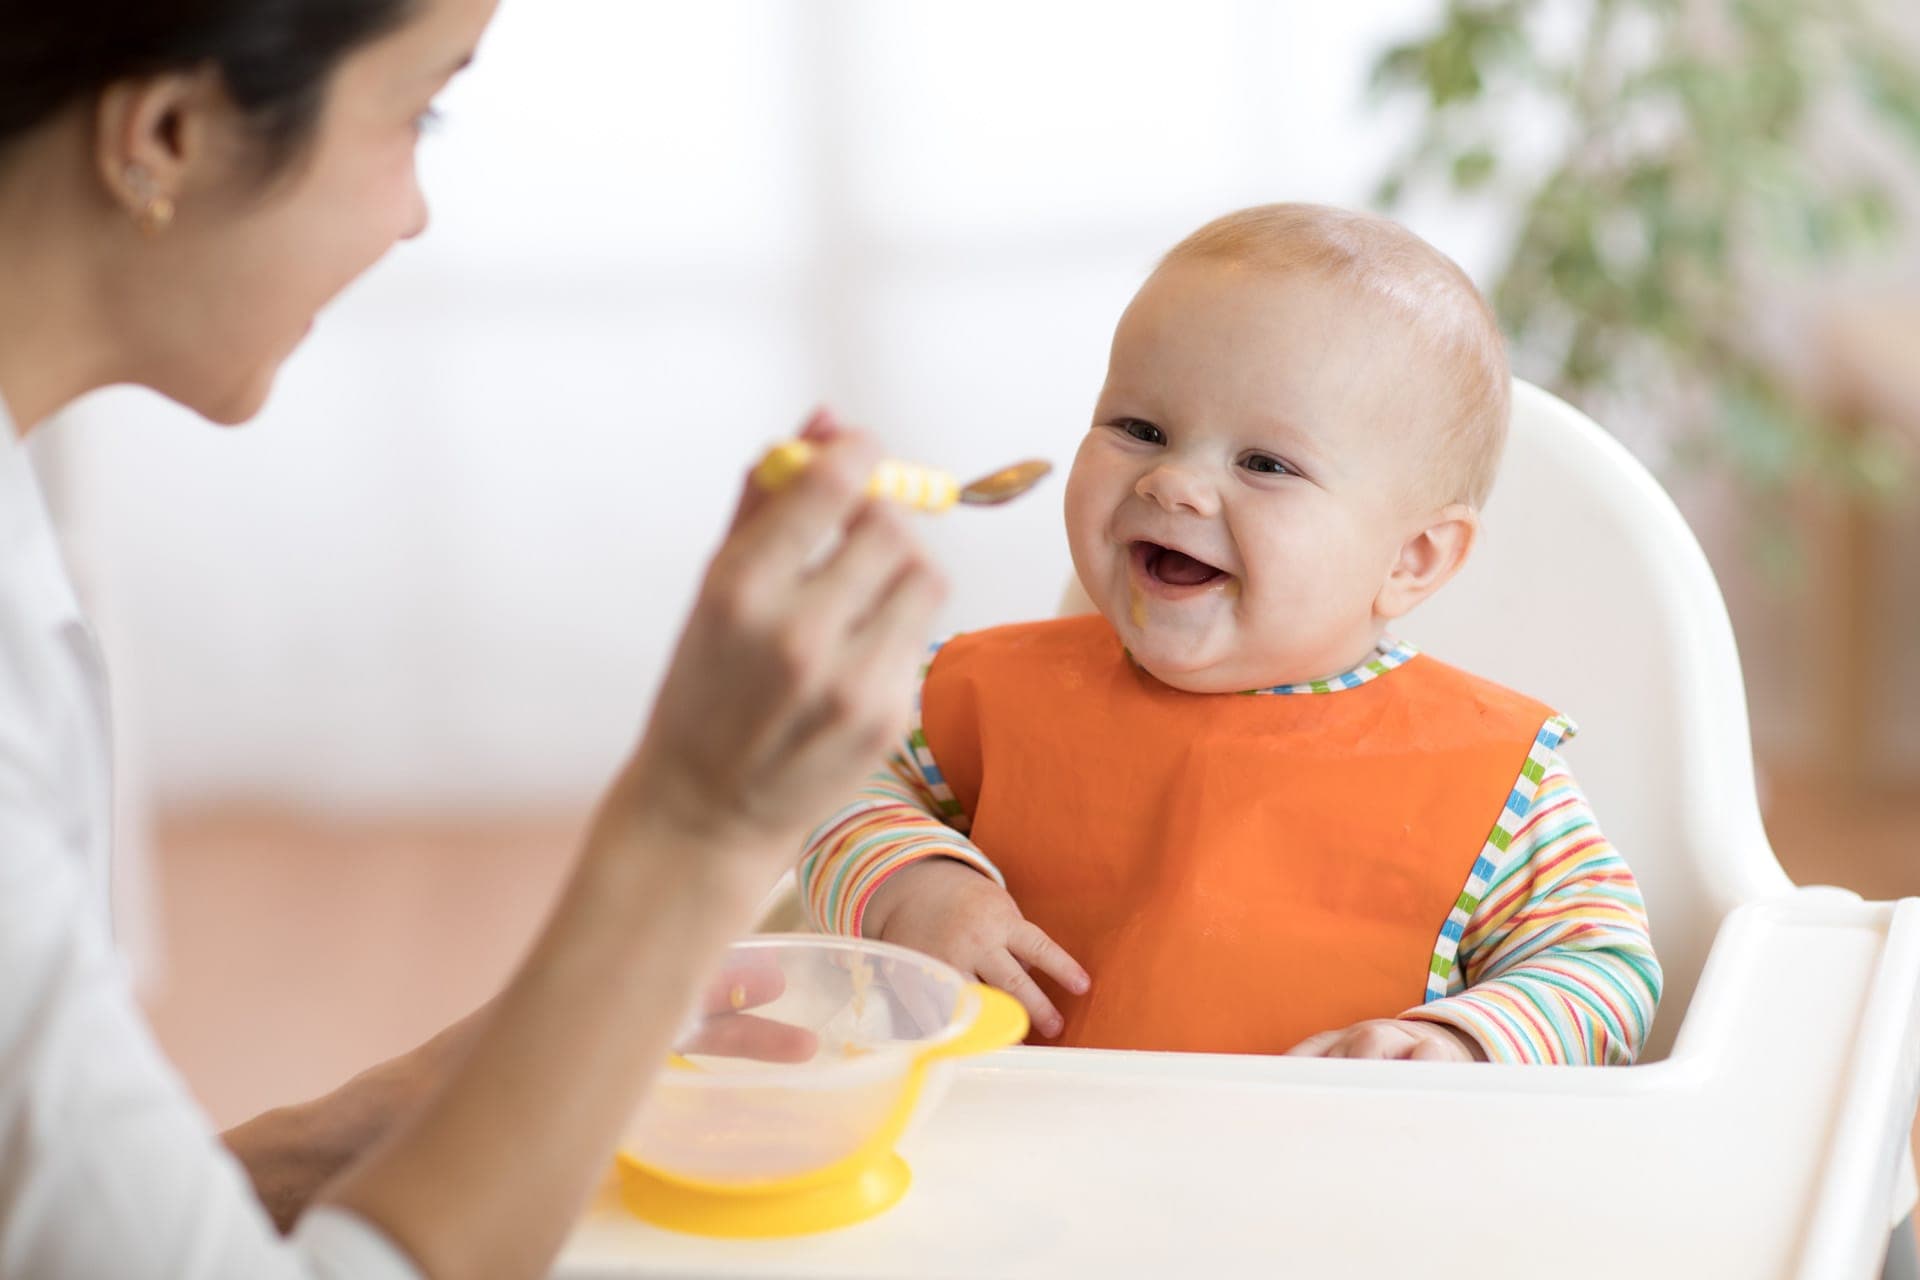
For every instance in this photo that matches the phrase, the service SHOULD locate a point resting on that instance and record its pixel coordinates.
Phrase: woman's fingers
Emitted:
(821, 426)
(1034, 949)
(891, 639)
(862, 705)
(744, 1035)
(744, 986)
(843, 591)
(795, 668)
(767, 552)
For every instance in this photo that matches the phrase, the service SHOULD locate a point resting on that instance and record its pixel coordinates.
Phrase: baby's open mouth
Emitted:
(1173, 568)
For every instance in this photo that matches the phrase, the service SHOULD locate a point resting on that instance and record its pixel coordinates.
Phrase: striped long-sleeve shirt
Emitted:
(1554, 963)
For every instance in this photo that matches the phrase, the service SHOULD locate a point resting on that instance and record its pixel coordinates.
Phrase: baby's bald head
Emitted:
(1449, 329)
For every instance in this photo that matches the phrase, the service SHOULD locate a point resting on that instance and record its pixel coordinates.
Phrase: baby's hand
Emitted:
(953, 913)
(1391, 1038)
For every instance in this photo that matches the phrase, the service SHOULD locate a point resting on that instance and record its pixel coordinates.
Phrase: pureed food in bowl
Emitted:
(797, 1059)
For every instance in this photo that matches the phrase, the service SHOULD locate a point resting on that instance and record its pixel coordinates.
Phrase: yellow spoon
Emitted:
(907, 483)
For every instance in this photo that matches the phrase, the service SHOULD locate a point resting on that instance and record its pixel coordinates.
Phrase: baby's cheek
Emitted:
(1082, 528)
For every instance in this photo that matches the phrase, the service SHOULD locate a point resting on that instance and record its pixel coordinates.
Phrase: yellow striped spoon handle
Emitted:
(910, 485)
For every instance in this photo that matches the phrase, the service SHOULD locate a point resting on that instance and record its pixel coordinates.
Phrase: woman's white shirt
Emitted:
(107, 1165)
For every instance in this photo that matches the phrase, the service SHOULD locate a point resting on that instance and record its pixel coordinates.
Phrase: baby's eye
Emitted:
(1145, 432)
(1267, 465)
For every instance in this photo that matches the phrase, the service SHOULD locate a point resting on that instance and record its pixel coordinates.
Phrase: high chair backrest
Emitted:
(1589, 592)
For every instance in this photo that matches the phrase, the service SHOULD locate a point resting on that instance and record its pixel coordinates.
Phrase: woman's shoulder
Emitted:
(54, 771)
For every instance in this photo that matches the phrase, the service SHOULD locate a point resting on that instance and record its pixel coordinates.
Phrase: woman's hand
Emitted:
(726, 1030)
(791, 679)
(794, 673)
(291, 1152)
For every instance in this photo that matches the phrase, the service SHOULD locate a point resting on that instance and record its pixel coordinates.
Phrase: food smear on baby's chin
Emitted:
(1137, 603)
(737, 998)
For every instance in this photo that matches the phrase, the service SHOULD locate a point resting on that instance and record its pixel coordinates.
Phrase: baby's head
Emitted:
(1303, 412)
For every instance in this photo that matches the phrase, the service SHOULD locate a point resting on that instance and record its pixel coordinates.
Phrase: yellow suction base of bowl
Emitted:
(771, 1212)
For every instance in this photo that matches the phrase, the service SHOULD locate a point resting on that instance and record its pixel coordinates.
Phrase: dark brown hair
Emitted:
(275, 56)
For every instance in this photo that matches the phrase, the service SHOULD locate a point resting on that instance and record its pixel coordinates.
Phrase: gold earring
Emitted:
(156, 210)
(156, 215)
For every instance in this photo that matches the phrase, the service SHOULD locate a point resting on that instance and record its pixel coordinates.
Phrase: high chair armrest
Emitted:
(1870, 1159)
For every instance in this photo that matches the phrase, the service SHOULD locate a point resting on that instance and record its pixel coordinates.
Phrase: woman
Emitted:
(183, 184)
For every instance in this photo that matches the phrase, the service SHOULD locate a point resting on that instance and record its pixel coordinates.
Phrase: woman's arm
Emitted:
(791, 678)
(292, 1151)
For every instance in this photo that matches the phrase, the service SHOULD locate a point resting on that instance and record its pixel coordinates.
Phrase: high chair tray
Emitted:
(1767, 1145)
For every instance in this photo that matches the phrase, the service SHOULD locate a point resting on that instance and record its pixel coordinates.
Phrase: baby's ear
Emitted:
(1428, 560)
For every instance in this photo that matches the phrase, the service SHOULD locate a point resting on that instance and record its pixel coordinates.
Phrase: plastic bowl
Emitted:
(794, 1080)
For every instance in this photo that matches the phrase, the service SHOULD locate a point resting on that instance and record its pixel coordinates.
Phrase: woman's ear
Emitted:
(1428, 560)
(157, 136)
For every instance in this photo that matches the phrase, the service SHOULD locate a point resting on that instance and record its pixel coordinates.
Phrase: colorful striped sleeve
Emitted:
(903, 815)
(1555, 964)
(888, 826)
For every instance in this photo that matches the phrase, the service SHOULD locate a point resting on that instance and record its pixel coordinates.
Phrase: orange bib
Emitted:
(1236, 872)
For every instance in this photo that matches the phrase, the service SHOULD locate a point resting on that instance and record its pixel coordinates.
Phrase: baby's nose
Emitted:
(1179, 488)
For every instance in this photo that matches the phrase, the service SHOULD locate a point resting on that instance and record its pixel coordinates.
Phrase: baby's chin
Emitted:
(1192, 681)
(1209, 664)
(1182, 664)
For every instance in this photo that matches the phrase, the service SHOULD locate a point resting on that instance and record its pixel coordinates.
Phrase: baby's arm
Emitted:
(1556, 964)
(888, 866)
(894, 823)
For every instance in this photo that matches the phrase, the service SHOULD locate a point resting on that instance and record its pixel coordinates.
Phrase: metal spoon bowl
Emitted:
(1005, 484)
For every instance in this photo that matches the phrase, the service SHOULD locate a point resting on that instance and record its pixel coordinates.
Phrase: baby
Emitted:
(1376, 855)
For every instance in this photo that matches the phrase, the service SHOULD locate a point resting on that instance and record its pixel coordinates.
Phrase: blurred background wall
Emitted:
(444, 568)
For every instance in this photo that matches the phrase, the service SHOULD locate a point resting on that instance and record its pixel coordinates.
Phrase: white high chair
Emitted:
(1764, 1134)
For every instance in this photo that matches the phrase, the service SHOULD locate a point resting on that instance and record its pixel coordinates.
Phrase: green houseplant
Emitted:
(1667, 162)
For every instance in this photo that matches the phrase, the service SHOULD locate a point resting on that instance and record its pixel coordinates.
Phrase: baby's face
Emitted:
(1244, 490)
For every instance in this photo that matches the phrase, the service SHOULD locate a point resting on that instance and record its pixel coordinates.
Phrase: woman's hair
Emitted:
(275, 56)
